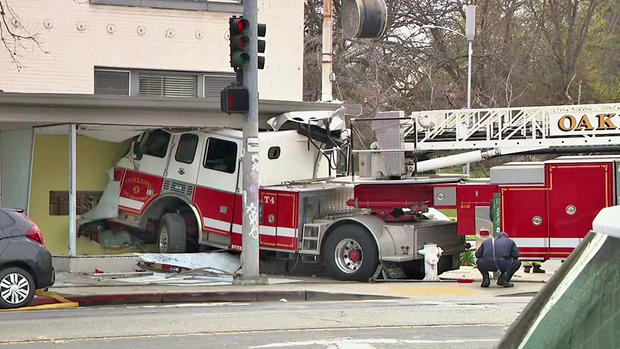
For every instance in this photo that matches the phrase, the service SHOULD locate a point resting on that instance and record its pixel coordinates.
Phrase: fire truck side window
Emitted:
(221, 155)
(187, 148)
(157, 143)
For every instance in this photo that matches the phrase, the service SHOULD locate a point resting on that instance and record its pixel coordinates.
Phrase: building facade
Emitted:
(147, 47)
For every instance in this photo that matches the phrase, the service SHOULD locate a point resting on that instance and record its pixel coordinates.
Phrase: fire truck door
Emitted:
(185, 158)
(217, 184)
(577, 193)
(154, 148)
(524, 218)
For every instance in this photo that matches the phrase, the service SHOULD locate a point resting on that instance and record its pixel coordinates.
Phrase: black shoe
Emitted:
(485, 280)
(504, 283)
(527, 269)
(538, 270)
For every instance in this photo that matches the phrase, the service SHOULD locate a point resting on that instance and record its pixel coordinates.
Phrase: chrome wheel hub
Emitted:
(348, 256)
(14, 288)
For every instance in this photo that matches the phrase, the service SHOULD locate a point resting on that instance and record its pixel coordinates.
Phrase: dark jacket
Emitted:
(505, 248)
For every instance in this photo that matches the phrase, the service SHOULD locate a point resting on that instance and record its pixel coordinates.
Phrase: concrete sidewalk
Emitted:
(106, 289)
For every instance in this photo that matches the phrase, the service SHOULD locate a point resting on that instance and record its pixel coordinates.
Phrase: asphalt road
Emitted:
(408, 323)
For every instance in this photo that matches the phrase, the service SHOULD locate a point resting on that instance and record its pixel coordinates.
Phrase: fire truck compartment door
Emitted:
(185, 159)
(524, 218)
(577, 193)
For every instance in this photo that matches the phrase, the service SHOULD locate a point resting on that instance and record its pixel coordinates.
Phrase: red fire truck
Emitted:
(183, 189)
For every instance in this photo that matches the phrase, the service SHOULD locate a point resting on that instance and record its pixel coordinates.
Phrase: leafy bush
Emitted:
(467, 258)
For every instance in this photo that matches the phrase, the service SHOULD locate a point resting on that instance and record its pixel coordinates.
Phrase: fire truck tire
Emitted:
(350, 253)
(172, 237)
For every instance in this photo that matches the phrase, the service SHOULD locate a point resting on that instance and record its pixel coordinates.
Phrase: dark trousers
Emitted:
(506, 266)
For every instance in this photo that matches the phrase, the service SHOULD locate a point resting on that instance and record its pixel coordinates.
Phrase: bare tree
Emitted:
(526, 52)
(13, 34)
(565, 25)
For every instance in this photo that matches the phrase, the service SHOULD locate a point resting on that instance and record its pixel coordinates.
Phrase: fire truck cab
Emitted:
(183, 188)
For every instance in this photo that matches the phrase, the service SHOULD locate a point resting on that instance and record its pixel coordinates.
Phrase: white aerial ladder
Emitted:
(485, 133)
(526, 127)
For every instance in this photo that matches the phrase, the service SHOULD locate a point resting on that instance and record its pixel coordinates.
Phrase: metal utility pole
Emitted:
(72, 190)
(470, 33)
(327, 53)
(249, 256)
(469, 53)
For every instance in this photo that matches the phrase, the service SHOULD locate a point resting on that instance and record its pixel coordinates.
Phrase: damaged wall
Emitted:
(50, 172)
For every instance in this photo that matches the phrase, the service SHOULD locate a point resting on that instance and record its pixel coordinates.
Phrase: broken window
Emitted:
(86, 201)
(157, 143)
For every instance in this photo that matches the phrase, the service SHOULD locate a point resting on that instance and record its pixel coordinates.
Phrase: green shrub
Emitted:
(467, 258)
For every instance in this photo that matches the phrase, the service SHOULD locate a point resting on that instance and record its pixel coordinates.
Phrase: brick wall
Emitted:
(77, 39)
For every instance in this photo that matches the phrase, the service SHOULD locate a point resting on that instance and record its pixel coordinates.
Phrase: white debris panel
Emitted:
(225, 262)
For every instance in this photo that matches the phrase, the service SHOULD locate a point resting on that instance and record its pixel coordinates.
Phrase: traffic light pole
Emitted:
(251, 209)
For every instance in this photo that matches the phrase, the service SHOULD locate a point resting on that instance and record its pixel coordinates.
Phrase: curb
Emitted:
(215, 297)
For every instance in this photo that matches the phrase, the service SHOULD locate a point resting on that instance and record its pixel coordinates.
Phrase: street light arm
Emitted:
(429, 26)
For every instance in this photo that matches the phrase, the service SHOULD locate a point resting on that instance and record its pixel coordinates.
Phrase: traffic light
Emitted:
(234, 98)
(239, 42)
(262, 30)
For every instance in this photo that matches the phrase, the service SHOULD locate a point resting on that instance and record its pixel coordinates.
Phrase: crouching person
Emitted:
(499, 253)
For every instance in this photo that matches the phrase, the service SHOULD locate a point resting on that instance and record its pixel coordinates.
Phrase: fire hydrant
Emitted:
(431, 253)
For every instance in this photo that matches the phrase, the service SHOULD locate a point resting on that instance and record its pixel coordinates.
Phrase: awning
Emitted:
(24, 110)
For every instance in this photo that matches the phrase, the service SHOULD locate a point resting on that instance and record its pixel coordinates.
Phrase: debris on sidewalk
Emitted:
(123, 275)
(213, 263)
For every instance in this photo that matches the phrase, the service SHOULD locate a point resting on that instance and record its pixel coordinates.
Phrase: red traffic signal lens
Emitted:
(242, 24)
(238, 25)
(231, 101)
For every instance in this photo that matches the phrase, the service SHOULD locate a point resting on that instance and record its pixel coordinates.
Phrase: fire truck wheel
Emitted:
(172, 234)
(350, 253)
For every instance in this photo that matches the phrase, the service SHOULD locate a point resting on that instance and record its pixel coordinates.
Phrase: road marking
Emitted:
(433, 291)
(344, 343)
(185, 305)
(225, 333)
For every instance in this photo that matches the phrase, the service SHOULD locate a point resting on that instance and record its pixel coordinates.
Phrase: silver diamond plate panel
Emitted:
(389, 136)
(518, 174)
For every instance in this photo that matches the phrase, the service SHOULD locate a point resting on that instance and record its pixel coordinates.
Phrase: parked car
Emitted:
(25, 263)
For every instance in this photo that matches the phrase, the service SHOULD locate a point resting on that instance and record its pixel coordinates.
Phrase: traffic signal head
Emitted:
(234, 99)
(239, 42)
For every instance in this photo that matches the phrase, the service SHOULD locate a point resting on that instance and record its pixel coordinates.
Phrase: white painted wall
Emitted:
(73, 54)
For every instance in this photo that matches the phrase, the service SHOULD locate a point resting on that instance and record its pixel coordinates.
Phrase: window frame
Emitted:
(277, 150)
(202, 79)
(129, 78)
(163, 75)
(207, 147)
(147, 140)
(193, 157)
